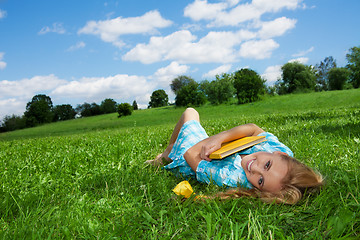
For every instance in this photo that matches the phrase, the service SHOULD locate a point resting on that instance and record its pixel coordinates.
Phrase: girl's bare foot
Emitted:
(158, 161)
(162, 158)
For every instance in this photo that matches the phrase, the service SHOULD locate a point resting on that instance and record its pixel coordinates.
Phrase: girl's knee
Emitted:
(190, 110)
(191, 114)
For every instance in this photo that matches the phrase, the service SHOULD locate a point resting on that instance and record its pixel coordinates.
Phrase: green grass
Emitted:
(169, 115)
(85, 179)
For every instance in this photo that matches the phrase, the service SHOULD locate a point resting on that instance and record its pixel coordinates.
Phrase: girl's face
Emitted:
(264, 170)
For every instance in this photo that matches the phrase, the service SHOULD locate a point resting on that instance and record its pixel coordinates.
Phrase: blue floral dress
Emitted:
(225, 172)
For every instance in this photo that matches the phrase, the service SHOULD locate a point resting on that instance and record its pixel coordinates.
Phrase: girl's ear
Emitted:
(281, 153)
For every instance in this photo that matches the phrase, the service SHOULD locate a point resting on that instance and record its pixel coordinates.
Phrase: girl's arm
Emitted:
(203, 149)
(214, 142)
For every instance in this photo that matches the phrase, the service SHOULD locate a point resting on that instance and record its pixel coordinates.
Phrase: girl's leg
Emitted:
(188, 114)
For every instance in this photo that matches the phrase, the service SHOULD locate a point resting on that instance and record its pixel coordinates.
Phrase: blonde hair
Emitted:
(299, 180)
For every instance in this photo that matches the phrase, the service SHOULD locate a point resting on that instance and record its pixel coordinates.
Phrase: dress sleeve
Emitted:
(223, 172)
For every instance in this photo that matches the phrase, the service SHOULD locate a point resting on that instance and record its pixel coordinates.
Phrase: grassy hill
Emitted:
(169, 115)
(85, 178)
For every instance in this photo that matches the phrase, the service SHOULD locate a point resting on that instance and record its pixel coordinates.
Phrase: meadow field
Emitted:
(86, 178)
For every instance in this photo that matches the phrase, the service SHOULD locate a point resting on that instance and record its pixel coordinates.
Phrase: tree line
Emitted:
(40, 110)
(246, 85)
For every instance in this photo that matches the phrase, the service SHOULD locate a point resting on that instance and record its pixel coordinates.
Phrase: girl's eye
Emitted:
(261, 181)
(267, 165)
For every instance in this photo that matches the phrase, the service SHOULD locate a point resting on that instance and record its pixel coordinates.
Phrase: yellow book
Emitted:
(229, 148)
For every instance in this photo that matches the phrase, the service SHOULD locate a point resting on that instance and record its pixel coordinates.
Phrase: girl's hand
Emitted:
(211, 145)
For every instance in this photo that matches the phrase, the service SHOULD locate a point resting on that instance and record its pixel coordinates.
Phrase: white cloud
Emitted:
(29, 87)
(121, 87)
(302, 60)
(143, 101)
(111, 30)
(217, 12)
(97, 88)
(2, 63)
(158, 47)
(192, 27)
(223, 46)
(237, 15)
(184, 47)
(2, 14)
(56, 28)
(164, 76)
(276, 27)
(202, 10)
(276, 5)
(232, 3)
(217, 71)
(12, 106)
(231, 13)
(214, 47)
(15, 94)
(77, 46)
(272, 74)
(258, 49)
(181, 46)
(303, 53)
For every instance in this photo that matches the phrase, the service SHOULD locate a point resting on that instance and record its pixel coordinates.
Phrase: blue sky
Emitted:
(86, 51)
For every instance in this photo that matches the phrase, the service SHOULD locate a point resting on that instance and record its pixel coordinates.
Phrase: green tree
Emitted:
(63, 112)
(135, 105)
(338, 77)
(158, 98)
(249, 85)
(124, 109)
(220, 90)
(296, 77)
(84, 110)
(12, 123)
(39, 110)
(190, 95)
(87, 109)
(322, 73)
(179, 82)
(271, 90)
(108, 105)
(353, 65)
(95, 109)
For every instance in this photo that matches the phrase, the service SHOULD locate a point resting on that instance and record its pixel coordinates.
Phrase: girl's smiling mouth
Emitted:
(248, 165)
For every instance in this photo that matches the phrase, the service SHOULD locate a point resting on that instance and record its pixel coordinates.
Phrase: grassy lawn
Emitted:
(85, 178)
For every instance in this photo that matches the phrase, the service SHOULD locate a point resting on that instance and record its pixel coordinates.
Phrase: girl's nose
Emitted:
(255, 168)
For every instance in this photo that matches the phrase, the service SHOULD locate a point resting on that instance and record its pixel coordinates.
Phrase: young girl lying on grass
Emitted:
(266, 170)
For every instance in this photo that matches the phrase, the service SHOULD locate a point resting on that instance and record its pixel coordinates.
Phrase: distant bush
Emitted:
(353, 65)
(124, 109)
(296, 77)
(249, 85)
(108, 105)
(12, 123)
(63, 112)
(135, 105)
(220, 90)
(180, 82)
(39, 110)
(158, 98)
(338, 78)
(190, 95)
